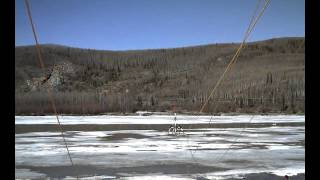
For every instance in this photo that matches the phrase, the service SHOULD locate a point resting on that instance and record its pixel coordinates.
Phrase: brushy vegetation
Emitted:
(268, 77)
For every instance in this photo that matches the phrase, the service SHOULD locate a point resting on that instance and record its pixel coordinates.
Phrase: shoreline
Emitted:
(149, 113)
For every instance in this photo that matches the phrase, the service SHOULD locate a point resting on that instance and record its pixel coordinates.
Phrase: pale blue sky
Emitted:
(149, 24)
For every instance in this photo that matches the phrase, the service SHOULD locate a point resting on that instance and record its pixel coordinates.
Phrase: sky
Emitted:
(153, 24)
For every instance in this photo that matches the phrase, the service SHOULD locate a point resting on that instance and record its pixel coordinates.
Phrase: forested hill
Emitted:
(268, 77)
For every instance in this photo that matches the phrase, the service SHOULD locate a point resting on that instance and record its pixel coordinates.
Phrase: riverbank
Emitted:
(148, 113)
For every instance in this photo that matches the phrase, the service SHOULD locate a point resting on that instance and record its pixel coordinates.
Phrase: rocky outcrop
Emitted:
(53, 79)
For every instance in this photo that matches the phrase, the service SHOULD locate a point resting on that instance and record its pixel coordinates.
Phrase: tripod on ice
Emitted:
(175, 129)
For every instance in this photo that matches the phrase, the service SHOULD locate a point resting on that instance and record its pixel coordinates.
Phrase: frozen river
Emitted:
(139, 147)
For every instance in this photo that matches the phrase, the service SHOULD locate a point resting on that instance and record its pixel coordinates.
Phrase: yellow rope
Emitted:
(51, 99)
(234, 59)
(236, 55)
(252, 23)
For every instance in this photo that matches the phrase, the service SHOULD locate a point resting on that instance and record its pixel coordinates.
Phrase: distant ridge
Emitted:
(268, 77)
(193, 46)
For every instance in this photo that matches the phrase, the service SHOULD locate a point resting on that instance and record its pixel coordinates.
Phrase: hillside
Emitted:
(268, 77)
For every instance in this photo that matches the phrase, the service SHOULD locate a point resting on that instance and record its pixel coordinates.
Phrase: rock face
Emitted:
(53, 79)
